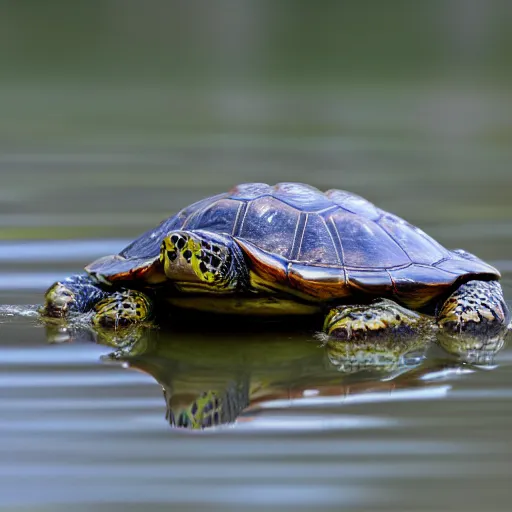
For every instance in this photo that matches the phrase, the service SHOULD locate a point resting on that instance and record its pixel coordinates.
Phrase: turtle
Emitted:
(290, 249)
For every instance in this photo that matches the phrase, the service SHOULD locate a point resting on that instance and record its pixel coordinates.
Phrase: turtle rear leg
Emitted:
(382, 319)
(202, 256)
(476, 308)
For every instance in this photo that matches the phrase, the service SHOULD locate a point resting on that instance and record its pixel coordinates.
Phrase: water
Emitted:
(80, 427)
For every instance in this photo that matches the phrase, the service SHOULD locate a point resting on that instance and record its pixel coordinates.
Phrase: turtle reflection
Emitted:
(214, 379)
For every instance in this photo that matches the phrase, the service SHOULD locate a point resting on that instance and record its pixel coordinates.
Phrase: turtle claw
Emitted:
(59, 301)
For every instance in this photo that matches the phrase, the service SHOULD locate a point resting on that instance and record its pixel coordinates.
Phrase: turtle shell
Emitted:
(324, 246)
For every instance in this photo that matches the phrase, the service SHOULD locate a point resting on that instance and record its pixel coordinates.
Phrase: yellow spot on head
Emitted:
(193, 246)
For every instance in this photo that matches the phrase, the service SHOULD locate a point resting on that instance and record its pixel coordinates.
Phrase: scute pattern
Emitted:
(333, 238)
(365, 244)
(317, 245)
(459, 266)
(250, 191)
(418, 245)
(301, 196)
(218, 217)
(354, 203)
(270, 225)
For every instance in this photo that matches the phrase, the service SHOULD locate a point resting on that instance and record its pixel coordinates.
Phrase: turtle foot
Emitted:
(476, 308)
(382, 319)
(73, 295)
(121, 309)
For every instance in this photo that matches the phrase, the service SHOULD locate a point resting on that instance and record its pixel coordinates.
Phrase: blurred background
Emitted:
(116, 113)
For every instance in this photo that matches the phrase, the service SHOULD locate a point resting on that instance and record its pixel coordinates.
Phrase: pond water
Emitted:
(315, 429)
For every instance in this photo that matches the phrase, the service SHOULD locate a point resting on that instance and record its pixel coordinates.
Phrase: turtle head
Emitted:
(202, 411)
(202, 258)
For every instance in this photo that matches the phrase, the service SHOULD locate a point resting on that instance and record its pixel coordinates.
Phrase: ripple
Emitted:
(397, 395)
(83, 404)
(316, 422)
(13, 310)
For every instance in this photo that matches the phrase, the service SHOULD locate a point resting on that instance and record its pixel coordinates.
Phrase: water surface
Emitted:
(81, 427)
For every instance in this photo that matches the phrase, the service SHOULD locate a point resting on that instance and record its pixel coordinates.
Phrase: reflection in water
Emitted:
(478, 350)
(281, 379)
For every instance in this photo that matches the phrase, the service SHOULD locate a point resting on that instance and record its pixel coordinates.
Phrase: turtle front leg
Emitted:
(80, 294)
(73, 295)
(204, 257)
(476, 308)
(122, 308)
(382, 319)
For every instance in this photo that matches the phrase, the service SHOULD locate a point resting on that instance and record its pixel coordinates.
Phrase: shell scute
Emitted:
(374, 282)
(250, 191)
(301, 196)
(461, 266)
(322, 283)
(365, 244)
(271, 225)
(354, 203)
(219, 217)
(417, 285)
(317, 245)
(420, 247)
